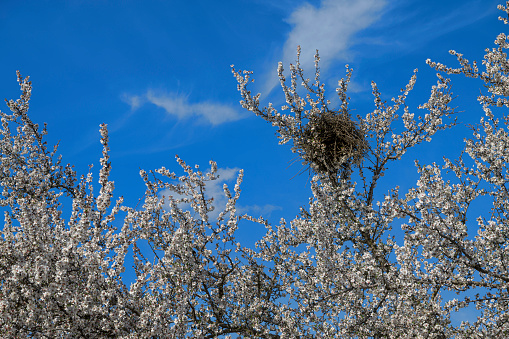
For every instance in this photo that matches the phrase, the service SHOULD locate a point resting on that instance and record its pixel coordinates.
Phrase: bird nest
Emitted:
(331, 143)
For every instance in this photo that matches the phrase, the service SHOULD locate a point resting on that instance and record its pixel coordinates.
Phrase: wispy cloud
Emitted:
(178, 105)
(257, 211)
(135, 101)
(328, 28)
(407, 27)
(214, 189)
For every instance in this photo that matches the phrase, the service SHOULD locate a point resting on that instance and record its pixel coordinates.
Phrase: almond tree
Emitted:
(336, 271)
(342, 280)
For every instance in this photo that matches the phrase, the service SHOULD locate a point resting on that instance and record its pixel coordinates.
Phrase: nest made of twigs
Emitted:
(332, 142)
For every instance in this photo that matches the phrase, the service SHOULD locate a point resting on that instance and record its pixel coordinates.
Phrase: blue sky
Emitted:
(158, 73)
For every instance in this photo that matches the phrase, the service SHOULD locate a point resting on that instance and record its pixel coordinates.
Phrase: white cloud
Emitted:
(214, 189)
(134, 101)
(178, 105)
(329, 28)
(257, 211)
(433, 23)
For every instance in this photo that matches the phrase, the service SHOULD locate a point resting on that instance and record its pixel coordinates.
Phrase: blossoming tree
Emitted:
(336, 271)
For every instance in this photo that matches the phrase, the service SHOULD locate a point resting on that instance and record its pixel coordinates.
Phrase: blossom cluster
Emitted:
(356, 262)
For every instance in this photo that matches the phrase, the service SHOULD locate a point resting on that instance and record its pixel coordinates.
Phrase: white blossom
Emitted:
(356, 263)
